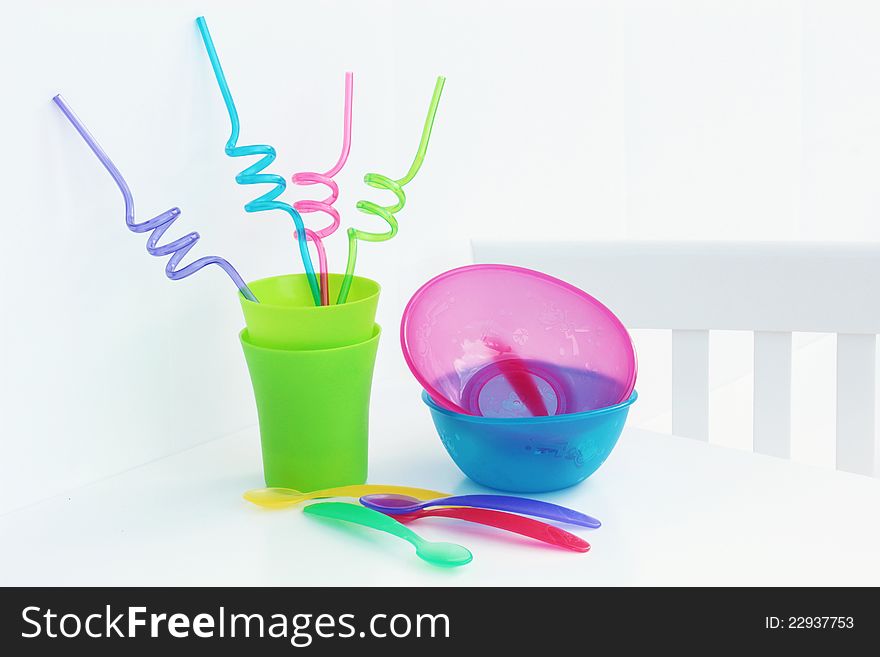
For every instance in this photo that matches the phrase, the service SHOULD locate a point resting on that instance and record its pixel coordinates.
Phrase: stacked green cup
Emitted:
(312, 369)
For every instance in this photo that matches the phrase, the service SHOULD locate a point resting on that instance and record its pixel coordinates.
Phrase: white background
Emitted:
(589, 120)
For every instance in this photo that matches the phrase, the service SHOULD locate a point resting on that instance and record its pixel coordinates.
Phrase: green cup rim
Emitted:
(244, 337)
(349, 304)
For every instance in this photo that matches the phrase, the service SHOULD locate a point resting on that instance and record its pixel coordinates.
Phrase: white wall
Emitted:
(704, 119)
(108, 364)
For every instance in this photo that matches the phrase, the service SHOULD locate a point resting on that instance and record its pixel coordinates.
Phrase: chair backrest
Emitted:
(770, 288)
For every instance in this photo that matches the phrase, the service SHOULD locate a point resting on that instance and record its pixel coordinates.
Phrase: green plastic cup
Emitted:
(287, 318)
(314, 408)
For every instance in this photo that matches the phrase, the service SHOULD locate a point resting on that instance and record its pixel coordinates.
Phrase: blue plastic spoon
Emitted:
(397, 504)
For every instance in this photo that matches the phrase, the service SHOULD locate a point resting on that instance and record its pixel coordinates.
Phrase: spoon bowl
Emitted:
(274, 498)
(443, 554)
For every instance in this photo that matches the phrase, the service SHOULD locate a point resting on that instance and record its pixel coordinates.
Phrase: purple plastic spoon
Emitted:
(397, 504)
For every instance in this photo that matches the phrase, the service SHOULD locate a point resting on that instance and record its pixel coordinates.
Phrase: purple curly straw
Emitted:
(158, 224)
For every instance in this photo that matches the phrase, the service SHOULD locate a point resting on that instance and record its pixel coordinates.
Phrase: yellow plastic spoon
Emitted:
(279, 498)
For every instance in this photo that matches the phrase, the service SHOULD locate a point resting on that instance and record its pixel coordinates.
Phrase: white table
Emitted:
(676, 512)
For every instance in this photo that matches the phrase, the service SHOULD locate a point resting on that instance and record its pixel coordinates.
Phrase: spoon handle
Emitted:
(360, 515)
(522, 505)
(536, 529)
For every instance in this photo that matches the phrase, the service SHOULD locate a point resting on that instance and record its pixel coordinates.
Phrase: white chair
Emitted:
(769, 288)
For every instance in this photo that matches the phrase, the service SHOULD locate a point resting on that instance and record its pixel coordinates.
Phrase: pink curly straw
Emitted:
(311, 178)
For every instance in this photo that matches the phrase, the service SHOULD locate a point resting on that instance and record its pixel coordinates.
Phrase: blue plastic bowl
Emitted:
(531, 454)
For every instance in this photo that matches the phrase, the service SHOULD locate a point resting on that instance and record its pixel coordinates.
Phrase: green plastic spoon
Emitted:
(438, 554)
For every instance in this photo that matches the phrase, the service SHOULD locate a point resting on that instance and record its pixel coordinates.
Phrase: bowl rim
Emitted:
(543, 419)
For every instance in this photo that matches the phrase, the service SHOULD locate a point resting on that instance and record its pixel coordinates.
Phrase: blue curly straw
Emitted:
(252, 175)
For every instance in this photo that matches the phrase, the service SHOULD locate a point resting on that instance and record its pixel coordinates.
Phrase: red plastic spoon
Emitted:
(508, 521)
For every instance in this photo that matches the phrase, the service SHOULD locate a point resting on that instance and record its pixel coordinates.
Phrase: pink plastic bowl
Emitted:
(502, 341)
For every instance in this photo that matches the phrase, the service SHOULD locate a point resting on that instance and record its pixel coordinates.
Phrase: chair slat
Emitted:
(855, 403)
(771, 430)
(690, 384)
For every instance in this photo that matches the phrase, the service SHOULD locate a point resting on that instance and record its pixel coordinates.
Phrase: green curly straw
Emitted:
(378, 181)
